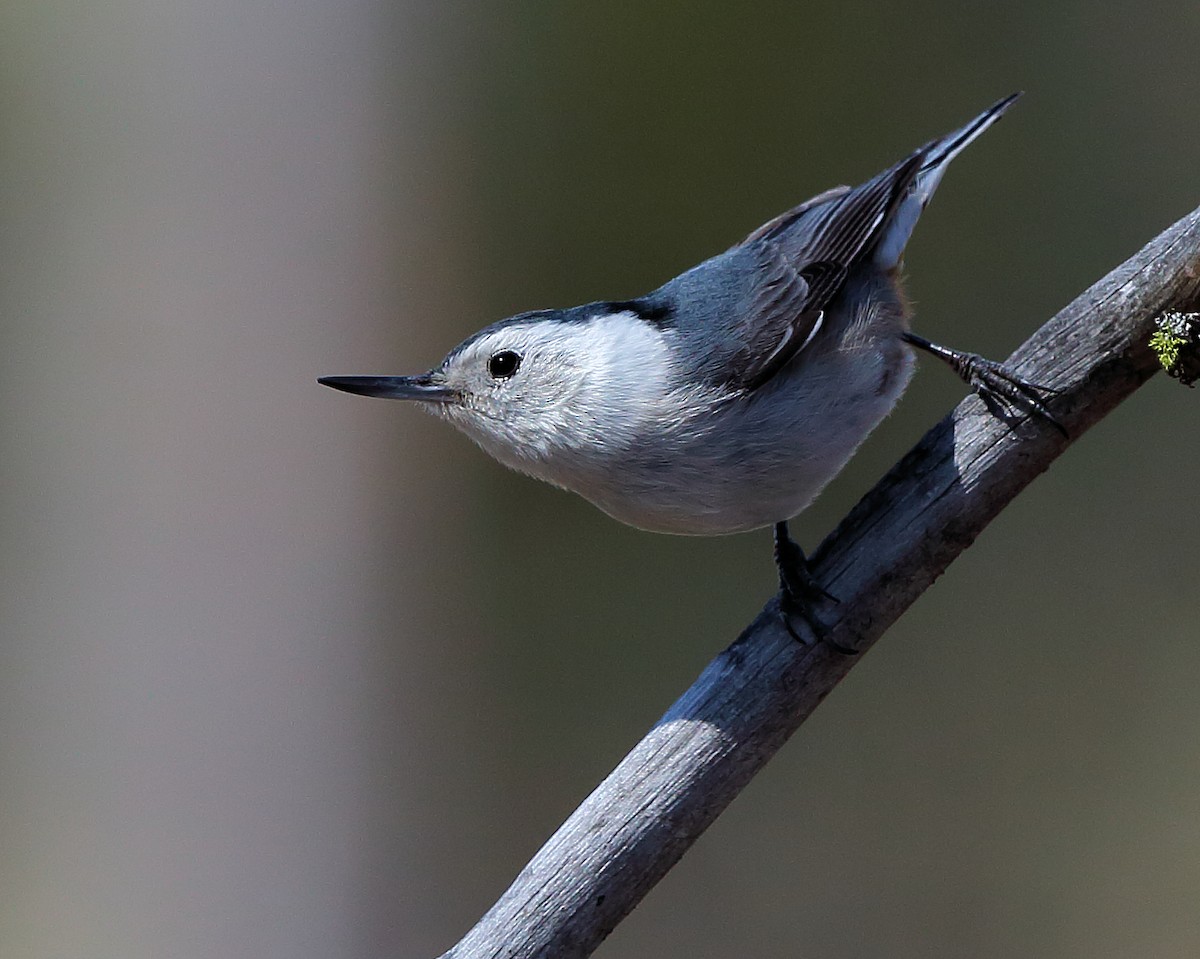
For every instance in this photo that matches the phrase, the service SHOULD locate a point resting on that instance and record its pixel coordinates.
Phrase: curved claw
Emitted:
(788, 606)
(1005, 393)
(799, 592)
(997, 386)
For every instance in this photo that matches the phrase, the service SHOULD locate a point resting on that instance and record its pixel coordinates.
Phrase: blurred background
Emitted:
(287, 673)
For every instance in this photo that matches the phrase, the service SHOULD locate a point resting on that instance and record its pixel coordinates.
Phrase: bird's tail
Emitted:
(935, 156)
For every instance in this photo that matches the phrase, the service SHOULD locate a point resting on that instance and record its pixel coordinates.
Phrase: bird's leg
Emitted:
(1005, 394)
(799, 591)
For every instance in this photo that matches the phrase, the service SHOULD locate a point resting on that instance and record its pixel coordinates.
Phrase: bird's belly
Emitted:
(758, 459)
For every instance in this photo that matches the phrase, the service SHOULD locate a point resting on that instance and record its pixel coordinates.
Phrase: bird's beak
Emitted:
(421, 387)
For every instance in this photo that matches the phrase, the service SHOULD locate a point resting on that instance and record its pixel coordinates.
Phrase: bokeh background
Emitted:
(286, 673)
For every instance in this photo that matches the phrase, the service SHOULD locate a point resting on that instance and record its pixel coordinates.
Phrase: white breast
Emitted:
(711, 465)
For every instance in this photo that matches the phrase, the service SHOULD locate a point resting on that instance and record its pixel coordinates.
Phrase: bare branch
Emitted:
(930, 507)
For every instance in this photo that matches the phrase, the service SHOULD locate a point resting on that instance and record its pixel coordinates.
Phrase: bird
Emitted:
(726, 399)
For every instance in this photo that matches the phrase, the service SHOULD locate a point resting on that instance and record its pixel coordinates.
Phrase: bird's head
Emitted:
(545, 393)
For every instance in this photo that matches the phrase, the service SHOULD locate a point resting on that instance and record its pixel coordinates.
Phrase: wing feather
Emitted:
(762, 302)
(804, 257)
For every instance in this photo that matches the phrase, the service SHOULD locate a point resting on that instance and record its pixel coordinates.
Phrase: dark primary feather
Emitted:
(751, 309)
(819, 243)
(754, 307)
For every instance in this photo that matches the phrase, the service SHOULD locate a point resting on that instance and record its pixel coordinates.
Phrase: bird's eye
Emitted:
(504, 364)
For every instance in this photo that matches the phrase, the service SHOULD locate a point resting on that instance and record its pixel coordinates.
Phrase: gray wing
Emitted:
(779, 316)
(791, 269)
(823, 239)
(747, 313)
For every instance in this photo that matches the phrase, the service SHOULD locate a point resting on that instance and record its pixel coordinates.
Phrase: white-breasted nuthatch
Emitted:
(727, 398)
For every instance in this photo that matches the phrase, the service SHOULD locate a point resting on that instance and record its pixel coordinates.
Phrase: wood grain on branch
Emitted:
(930, 507)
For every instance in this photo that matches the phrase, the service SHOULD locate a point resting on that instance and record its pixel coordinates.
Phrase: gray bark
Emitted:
(930, 507)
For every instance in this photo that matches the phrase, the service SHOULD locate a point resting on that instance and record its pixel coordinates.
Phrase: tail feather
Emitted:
(936, 156)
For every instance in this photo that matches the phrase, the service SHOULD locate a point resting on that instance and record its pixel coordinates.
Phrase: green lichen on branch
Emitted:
(1176, 343)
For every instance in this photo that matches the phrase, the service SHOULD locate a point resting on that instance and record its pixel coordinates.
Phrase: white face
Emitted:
(548, 397)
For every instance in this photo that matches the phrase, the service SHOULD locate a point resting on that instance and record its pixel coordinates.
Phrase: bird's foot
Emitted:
(799, 593)
(1008, 396)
